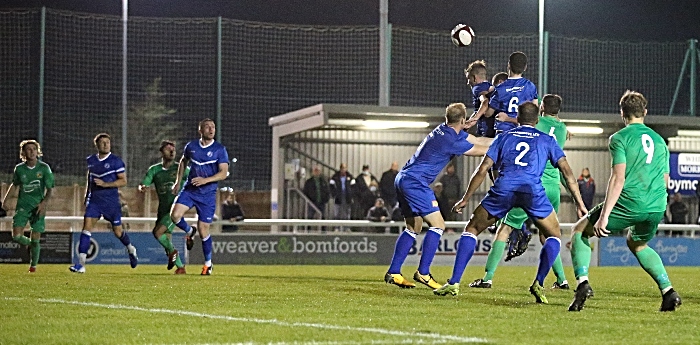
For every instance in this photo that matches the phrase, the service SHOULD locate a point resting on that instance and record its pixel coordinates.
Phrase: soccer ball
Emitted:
(462, 35)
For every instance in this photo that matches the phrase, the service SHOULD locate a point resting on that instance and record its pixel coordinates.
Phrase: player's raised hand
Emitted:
(599, 227)
(143, 188)
(457, 208)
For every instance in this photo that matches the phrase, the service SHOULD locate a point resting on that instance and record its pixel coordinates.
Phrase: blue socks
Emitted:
(403, 247)
(548, 254)
(84, 244)
(206, 249)
(182, 224)
(125, 238)
(465, 250)
(430, 246)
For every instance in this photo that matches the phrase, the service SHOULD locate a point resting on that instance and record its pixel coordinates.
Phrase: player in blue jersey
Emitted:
(417, 200)
(510, 94)
(520, 155)
(481, 88)
(208, 163)
(106, 173)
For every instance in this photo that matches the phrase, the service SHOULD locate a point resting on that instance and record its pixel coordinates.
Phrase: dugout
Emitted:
(330, 134)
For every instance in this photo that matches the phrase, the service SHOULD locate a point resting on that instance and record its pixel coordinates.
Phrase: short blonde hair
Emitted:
(455, 112)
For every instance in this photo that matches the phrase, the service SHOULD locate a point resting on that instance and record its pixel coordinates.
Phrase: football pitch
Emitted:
(332, 305)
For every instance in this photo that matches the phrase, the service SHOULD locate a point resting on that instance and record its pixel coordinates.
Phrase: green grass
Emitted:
(330, 305)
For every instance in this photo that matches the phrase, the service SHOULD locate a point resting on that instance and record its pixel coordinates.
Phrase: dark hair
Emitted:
(528, 113)
(455, 112)
(551, 104)
(477, 67)
(517, 62)
(499, 77)
(165, 143)
(633, 104)
(100, 136)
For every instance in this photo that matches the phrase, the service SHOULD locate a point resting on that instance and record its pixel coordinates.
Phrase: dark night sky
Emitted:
(614, 19)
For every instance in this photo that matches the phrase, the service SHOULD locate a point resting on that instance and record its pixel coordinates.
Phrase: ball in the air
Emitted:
(462, 35)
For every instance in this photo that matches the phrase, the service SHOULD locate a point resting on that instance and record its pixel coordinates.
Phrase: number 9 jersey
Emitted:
(647, 160)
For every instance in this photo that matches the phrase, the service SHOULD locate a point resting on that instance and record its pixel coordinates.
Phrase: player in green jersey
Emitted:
(163, 176)
(635, 197)
(34, 180)
(548, 123)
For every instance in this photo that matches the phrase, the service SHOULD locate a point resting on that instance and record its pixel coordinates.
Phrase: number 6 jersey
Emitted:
(508, 96)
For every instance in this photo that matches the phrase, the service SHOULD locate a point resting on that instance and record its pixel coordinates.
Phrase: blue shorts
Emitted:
(205, 204)
(415, 197)
(112, 212)
(497, 203)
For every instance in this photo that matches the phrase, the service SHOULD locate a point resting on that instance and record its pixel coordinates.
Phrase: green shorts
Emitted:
(516, 217)
(167, 222)
(644, 225)
(25, 215)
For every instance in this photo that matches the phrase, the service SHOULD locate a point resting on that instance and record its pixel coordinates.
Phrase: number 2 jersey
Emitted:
(508, 96)
(521, 155)
(647, 160)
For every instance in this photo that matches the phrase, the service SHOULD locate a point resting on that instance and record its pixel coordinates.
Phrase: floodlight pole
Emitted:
(540, 69)
(125, 154)
(384, 52)
(692, 57)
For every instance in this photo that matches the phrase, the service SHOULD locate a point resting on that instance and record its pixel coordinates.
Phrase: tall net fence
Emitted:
(19, 67)
(591, 75)
(266, 70)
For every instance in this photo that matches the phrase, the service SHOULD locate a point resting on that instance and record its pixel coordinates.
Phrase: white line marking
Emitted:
(434, 336)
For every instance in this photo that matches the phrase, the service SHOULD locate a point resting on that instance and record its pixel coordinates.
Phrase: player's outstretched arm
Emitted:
(474, 182)
(612, 194)
(571, 185)
(483, 141)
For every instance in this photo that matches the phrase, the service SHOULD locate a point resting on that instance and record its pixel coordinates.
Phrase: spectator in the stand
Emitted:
(317, 190)
(230, 210)
(341, 184)
(678, 210)
(378, 213)
(451, 189)
(366, 189)
(386, 185)
(586, 185)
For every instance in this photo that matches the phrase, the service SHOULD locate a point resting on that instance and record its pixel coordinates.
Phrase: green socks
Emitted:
(651, 263)
(495, 255)
(580, 254)
(21, 239)
(35, 249)
(558, 269)
(165, 242)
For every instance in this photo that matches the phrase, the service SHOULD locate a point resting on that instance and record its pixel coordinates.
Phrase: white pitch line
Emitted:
(435, 336)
